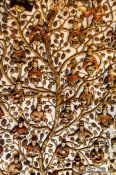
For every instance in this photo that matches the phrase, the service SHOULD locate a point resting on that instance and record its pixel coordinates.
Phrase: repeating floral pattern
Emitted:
(57, 87)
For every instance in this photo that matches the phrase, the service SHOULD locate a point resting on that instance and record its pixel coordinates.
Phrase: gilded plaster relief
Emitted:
(57, 87)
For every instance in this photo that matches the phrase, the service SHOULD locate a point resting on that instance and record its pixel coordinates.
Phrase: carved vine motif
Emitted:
(57, 87)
